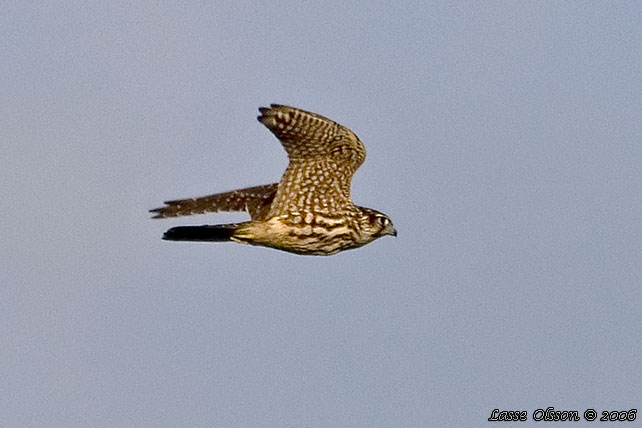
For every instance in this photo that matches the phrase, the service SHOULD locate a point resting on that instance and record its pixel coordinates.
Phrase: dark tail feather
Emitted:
(216, 233)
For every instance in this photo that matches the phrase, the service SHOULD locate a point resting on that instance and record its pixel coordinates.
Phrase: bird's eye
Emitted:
(383, 220)
(378, 219)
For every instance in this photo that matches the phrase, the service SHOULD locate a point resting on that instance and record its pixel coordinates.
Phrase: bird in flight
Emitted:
(310, 210)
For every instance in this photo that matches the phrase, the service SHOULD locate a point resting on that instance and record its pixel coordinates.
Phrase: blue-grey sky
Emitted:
(504, 139)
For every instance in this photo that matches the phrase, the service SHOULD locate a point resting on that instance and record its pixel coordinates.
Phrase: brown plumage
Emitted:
(310, 210)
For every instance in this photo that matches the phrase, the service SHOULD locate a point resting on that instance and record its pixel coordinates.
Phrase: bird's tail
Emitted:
(206, 233)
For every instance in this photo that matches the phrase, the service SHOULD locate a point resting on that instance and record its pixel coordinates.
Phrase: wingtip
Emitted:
(263, 111)
(273, 106)
(156, 212)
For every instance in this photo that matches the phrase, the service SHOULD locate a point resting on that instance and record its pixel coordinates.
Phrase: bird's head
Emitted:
(377, 224)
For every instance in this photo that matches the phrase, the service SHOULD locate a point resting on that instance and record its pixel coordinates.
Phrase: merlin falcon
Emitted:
(310, 210)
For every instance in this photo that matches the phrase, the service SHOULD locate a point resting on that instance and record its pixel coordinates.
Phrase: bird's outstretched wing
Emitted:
(323, 158)
(254, 200)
